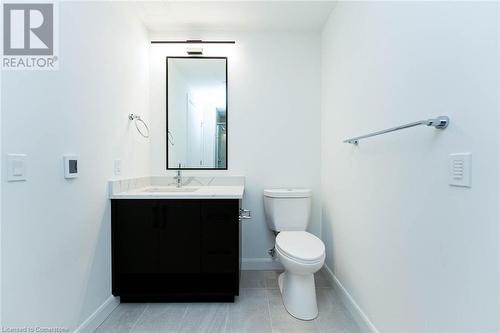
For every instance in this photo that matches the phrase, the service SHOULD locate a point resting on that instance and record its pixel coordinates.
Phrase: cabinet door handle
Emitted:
(245, 214)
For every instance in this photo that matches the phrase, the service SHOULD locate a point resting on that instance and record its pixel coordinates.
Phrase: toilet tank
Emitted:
(287, 209)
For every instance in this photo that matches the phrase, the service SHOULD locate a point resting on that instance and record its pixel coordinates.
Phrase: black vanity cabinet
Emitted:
(175, 249)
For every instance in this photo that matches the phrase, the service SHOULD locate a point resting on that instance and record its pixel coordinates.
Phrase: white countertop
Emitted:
(185, 192)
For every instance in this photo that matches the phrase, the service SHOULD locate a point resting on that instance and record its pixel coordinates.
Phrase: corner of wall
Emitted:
(98, 316)
(1, 203)
(352, 306)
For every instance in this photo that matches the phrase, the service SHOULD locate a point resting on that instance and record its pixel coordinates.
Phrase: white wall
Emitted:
(1, 201)
(273, 118)
(416, 254)
(56, 233)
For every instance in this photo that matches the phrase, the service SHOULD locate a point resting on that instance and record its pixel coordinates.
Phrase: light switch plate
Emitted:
(70, 166)
(460, 169)
(118, 167)
(16, 167)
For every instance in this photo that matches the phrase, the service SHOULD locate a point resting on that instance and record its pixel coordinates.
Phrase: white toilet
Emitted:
(301, 253)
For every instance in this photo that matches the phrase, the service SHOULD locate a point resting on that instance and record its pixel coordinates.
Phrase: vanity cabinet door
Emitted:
(136, 237)
(220, 236)
(175, 249)
(180, 236)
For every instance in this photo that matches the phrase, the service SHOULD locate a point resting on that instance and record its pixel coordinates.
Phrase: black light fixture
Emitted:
(194, 51)
(193, 41)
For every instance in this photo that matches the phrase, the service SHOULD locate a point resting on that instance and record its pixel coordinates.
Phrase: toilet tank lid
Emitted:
(288, 193)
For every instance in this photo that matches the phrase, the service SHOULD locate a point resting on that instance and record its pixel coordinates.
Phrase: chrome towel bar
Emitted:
(440, 122)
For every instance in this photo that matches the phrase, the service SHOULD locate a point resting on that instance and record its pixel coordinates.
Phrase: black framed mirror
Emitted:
(197, 126)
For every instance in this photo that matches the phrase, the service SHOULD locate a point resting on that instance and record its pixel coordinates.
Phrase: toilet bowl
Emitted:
(302, 254)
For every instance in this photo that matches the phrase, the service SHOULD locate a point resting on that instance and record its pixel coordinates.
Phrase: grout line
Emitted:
(138, 318)
(316, 320)
(181, 321)
(183, 315)
(269, 310)
(227, 325)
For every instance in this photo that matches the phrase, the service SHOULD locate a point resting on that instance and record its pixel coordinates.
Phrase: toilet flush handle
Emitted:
(245, 214)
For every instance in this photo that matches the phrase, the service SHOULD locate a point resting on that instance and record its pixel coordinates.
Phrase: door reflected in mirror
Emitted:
(196, 113)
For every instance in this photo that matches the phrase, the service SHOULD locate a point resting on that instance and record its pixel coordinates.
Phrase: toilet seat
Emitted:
(300, 246)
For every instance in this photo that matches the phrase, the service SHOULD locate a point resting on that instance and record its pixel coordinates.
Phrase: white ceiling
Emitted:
(164, 16)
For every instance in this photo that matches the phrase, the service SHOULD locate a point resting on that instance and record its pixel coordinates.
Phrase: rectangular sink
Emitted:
(165, 189)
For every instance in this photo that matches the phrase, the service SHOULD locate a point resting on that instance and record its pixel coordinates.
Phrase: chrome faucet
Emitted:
(178, 178)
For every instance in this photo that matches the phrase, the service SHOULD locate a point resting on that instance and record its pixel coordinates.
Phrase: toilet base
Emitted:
(299, 295)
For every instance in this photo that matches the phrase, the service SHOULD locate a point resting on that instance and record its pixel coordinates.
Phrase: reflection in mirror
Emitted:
(196, 113)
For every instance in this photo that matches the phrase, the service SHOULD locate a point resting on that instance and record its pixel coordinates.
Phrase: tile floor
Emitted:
(258, 309)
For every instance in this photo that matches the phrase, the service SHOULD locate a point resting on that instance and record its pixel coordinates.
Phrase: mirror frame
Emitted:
(227, 111)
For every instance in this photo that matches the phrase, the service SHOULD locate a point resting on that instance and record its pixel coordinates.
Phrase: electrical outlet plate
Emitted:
(16, 167)
(460, 173)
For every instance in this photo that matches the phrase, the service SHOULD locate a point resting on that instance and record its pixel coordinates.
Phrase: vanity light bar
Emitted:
(193, 41)
(194, 51)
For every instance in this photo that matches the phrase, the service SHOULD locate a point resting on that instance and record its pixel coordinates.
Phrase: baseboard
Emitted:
(260, 264)
(357, 313)
(97, 318)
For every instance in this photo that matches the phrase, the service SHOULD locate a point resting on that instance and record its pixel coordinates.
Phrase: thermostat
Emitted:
(70, 166)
